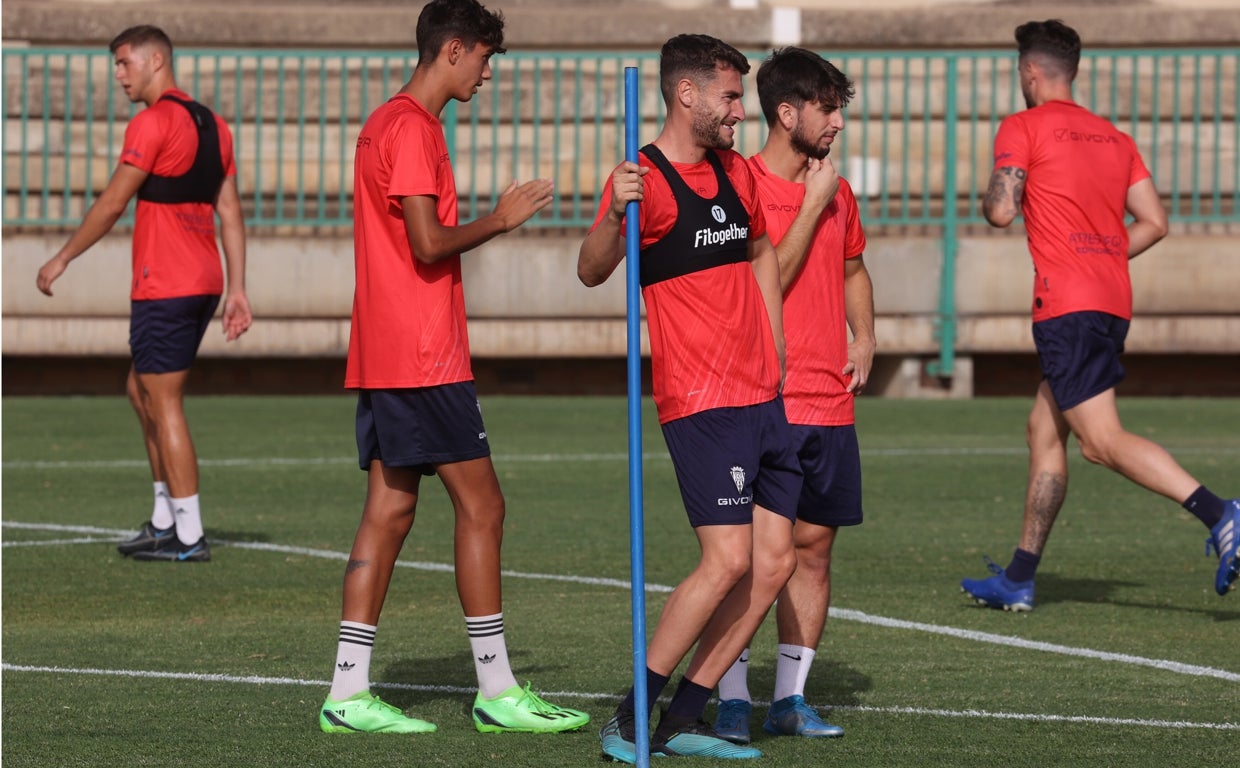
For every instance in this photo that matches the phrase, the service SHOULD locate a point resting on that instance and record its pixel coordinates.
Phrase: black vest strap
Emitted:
(707, 233)
(201, 183)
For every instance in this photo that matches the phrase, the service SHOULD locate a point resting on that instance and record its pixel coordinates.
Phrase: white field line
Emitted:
(199, 677)
(844, 614)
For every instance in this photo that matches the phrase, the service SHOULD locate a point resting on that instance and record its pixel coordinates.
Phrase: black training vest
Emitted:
(201, 183)
(707, 233)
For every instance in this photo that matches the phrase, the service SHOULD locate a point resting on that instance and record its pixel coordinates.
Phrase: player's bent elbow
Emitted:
(999, 219)
(587, 278)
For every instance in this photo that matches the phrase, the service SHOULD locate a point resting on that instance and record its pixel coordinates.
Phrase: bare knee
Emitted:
(774, 570)
(1041, 436)
(813, 563)
(1096, 451)
(481, 517)
(726, 569)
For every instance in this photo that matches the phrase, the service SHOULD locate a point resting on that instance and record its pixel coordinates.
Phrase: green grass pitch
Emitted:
(1129, 660)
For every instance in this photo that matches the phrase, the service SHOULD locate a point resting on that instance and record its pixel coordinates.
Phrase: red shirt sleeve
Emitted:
(144, 136)
(854, 234)
(1012, 144)
(414, 150)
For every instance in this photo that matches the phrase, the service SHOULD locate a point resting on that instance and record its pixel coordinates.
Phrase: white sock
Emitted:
(188, 518)
(486, 640)
(352, 675)
(735, 682)
(161, 513)
(792, 670)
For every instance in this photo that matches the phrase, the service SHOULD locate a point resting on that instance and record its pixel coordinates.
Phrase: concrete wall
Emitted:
(523, 297)
(609, 25)
(525, 301)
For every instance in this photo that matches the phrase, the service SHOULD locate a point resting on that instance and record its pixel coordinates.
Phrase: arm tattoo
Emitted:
(1007, 188)
(355, 564)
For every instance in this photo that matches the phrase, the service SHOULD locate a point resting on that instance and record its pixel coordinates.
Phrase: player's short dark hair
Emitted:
(798, 77)
(1053, 40)
(465, 20)
(143, 34)
(697, 57)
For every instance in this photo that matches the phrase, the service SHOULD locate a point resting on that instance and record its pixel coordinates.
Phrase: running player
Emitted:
(1075, 176)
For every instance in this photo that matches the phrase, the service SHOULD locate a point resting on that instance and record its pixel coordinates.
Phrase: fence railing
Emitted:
(917, 146)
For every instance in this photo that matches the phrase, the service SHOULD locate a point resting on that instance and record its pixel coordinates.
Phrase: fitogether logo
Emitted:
(709, 236)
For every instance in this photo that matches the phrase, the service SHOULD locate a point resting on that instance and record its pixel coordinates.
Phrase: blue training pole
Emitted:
(637, 536)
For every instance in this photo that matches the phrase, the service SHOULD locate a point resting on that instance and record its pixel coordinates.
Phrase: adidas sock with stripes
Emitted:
(735, 682)
(188, 518)
(486, 640)
(161, 512)
(792, 670)
(352, 675)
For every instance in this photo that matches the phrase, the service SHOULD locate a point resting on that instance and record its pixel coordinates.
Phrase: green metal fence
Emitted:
(917, 146)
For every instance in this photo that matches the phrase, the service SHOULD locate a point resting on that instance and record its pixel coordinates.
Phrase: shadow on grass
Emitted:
(1060, 589)
(456, 671)
(830, 683)
(224, 538)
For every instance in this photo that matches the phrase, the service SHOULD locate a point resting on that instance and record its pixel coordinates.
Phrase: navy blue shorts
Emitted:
(164, 334)
(831, 461)
(1079, 354)
(420, 427)
(728, 459)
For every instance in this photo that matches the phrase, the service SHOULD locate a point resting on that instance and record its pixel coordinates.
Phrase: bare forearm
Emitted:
(1004, 195)
(1142, 235)
(234, 258)
(98, 221)
(859, 306)
(794, 246)
(450, 241)
(601, 252)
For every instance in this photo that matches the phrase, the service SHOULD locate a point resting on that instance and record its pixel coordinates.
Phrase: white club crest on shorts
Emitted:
(738, 477)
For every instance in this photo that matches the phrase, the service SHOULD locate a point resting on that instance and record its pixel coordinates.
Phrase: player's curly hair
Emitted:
(697, 57)
(797, 76)
(1053, 40)
(466, 20)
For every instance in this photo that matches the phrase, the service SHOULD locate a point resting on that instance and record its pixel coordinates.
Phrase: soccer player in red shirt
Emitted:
(710, 279)
(814, 223)
(1074, 176)
(418, 411)
(178, 161)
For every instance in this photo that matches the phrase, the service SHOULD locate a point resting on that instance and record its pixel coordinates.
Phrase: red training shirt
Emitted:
(815, 325)
(711, 344)
(174, 249)
(408, 325)
(1079, 168)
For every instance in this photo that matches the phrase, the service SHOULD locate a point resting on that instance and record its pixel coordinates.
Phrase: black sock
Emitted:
(1205, 506)
(1023, 566)
(689, 702)
(655, 683)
